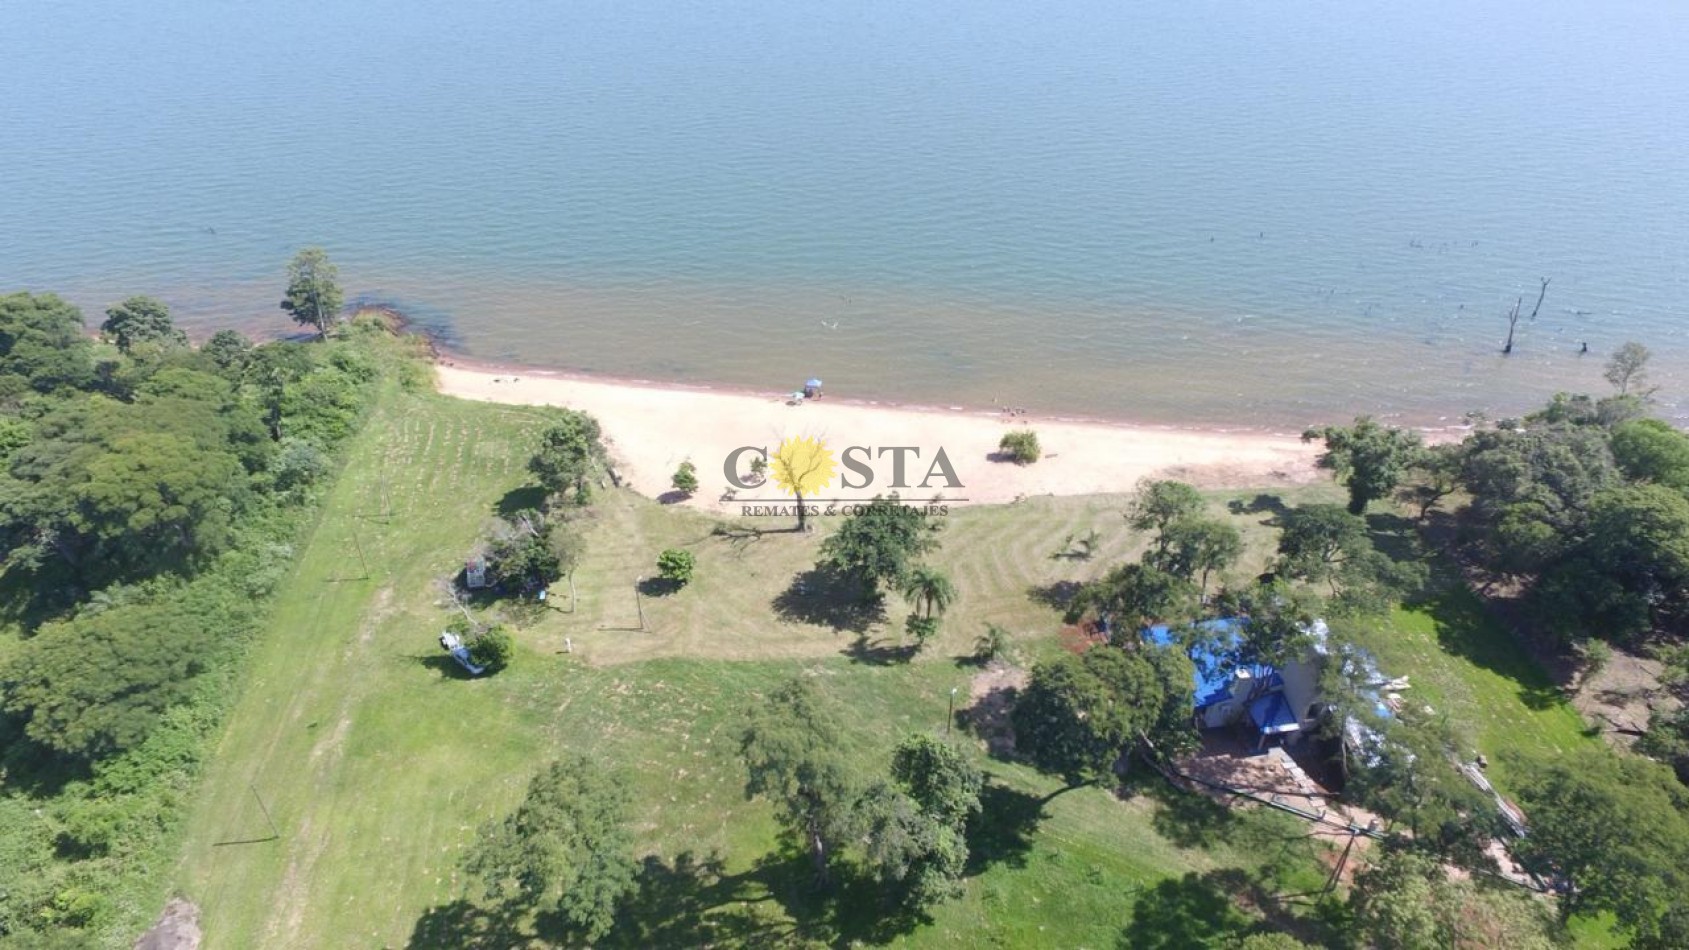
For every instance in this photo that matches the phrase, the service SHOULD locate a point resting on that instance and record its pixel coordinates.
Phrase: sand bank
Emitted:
(652, 429)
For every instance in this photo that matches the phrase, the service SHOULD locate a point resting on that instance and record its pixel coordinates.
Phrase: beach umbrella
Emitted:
(813, 383)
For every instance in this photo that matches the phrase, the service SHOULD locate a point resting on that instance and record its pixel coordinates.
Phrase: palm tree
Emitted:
(931, 587)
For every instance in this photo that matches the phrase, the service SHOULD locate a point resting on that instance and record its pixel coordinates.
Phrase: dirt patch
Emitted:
(991, 696)
(1077, 638)
(177, 928)
(1621, 698)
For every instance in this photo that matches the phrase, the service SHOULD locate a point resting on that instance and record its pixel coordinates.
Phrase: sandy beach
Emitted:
(651, 429)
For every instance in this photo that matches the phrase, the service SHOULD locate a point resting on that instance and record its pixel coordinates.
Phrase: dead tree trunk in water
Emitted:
(1513, 317)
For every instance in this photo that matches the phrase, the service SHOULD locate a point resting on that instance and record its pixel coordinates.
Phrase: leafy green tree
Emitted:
(492, 648)
(1667, 740)
(686, 478)
(96, 685)
(1398, 902)
(566, 850)
(313, 296)
(227, 350)
(1628, 368)
(1077, 714)
(568, 546)
(325, 406)
(1612, 828)
(154, 494)
(922, 629)
(141, 322)
(1194, 547)
(1158, 504)
(1172, 729)
(1405, 900)
(794, 757)
(1280, 620)
(676, 565)
(1532, 492)
(1020, 446)
(1639, 536)
(1415, 784)
(915, 854)
(1652, 450)
(1578, 409)
(298, 464)
(1433, 476)
(915, 829)
(105, 491)
(570, 452)
(42, 346)
(1368, 458)
(1324, 544)
(929, 587)
(1133, 596)
(878, 543)
(1267, 941)
(14, 435)
(941, 779)
(520, 554)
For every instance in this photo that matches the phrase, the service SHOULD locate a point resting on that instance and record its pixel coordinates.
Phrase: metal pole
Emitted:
(267, 819)
(950, 712)
(637, 603)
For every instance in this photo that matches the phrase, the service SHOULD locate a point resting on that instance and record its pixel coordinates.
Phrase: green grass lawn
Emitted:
(376, 760)
(1463, 664)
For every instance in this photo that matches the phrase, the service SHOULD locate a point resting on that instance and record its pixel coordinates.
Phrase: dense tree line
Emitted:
(143, 466)
(1580, 511)
(150, 493)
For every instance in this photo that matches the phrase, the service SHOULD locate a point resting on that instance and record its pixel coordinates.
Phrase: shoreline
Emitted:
(651, 426)
(445, 356)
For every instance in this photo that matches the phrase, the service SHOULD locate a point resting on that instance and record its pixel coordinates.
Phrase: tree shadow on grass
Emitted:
(659, 586)
(692, 902)
(1003, 831)
(689, 903)
(1183, 913)
(820, 596)
(854, 911)
(871, 652)
(465, 924)
(443, 664)
(1261, 503)
(1199, 911)
(526, 498)
(1466, 629)
(1190, 819)
(988, 719)
(1058, 595)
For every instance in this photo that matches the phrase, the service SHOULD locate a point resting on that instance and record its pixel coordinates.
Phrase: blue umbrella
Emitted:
(814, 384)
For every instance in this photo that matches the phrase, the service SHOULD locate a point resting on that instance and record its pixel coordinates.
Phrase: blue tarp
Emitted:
(1215, 658)
(1272, 714)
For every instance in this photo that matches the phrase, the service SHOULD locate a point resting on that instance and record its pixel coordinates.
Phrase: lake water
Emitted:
(1217, 213)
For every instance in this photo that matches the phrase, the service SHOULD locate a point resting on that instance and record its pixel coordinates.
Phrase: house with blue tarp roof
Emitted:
(1267, 699)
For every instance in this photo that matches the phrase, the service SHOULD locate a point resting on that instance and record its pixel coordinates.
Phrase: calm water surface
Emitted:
(1246, 213)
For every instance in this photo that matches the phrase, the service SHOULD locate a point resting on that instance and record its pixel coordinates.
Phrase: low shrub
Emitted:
(1020, 446)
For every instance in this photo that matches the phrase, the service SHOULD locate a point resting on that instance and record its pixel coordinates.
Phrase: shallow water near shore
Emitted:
(1212, 213)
